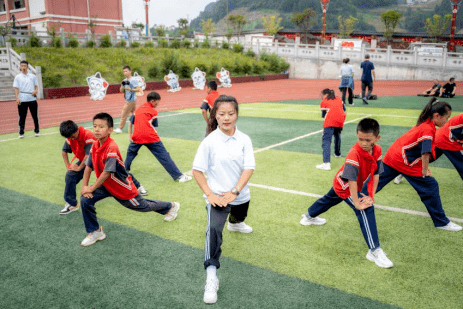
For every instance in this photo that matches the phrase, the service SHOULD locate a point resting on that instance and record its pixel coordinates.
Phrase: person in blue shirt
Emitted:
(25, 86)
(130, 87)
(368, 75)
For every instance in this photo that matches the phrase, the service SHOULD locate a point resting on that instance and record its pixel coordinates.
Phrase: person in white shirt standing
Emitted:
(227, 156)
(25, 90)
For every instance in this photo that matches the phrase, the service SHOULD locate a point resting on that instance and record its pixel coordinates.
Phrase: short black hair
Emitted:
(126, 67)
(212, 84)
(105, 116)
(368, 125)
(67, 128)
(153, 96)
(367, 56)
(24, 61)
(452, 79)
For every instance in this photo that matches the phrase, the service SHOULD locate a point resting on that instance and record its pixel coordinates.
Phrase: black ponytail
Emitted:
(434, 106)
(330, 93)
(212, 124)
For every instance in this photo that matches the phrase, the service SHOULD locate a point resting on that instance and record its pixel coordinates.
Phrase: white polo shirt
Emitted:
(26, 85)
(224, 158)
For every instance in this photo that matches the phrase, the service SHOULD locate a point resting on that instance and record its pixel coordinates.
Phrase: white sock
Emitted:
(211, 272)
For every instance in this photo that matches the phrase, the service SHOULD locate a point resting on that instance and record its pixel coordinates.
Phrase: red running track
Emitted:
(82, 109)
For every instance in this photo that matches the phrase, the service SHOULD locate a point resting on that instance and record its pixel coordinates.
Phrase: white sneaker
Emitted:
(239, 227)
(398, 179)
(210, 290)
(142, 190)
(21, 136)
(184, 178)
(118, 130)
(68, 209)
(453, 227)
(324, 166)
(379, 258)
(172, 214)
(37, 134)
(309, 221)
(93, 237)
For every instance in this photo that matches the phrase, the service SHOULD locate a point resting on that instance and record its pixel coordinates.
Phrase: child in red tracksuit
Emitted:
(334, 112)
(362, 161)
(79, 141)
(112, 180)
(449, 141)
(410, 155)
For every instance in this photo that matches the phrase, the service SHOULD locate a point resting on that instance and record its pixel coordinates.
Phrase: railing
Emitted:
(10, 63)
(385, 56)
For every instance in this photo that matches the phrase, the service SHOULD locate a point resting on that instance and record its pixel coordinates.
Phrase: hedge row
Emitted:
(70, 67)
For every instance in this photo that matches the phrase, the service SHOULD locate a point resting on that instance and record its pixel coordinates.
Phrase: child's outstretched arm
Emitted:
(425, 161)
(66, 159)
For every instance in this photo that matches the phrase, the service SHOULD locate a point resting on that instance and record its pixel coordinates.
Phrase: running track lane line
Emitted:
(53, 133)
(388, 208)
(302, 136)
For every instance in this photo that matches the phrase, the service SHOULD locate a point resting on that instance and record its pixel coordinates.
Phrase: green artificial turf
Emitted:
(426, 271)
(43, 266)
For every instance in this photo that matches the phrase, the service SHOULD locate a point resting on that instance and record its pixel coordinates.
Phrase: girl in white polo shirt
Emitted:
(227, 156)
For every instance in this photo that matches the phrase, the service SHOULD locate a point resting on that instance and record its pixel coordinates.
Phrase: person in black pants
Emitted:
(368, 74)
(25, 89)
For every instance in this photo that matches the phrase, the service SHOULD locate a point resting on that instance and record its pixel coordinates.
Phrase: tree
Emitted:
(4, 30)
(272, 24)
(390, 19)
(208, 27)
(183, 26)
(229, 35)
(238, 21)
(436, 26)
(92, 24)
(346, 26)
(304, 21)
(141, 26)
(160, 30)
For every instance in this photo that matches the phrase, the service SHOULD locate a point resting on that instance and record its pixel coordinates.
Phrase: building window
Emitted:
(18, 4)
(2, 6)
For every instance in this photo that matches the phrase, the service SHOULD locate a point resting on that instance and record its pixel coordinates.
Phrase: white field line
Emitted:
(300, 111)
(301, 137)
(57, 132)
(388, 208)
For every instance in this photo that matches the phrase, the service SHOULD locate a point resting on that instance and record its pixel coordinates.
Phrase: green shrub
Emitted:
(196, 44)
(52, 81)
(185, 70)
(13, 41)
(273, 60)
(122, 43)
(250, 53)
(90, 44)
(34, 41)
(105, 41)
(73, 42)
(238, 48)
(283, 64)
(153, 72)
(186, 43)
(136, 69)
(257, 68)
(149, 44)
(135, 44)
(225, 45)
(237, 68)
(170, 62)
(202, 66)
(56, 42)
(162, 43)
(206, 44)
(216, 44)
(175, 44)
(247, 68)
(213, 69)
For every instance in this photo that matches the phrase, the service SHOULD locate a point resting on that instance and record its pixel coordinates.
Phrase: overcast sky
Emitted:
(165, 12)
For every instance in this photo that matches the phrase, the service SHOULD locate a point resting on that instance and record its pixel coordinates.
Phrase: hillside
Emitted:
(367, 11)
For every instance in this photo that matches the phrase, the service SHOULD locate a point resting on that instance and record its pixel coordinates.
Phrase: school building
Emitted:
(71, 15)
